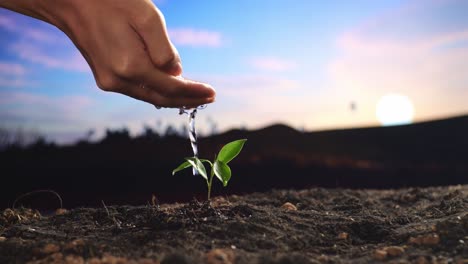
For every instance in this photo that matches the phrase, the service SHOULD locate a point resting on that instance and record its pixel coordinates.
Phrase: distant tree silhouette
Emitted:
(171, 131)
(4, 138)
(149, 134)
(116, 136)
(41, 143)
(87, 138)
(19, 138)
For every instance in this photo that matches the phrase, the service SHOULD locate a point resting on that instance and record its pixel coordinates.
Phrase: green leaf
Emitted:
(181, 167)
(195, 162)
(209, 162)
(222, 172)
(231, 150)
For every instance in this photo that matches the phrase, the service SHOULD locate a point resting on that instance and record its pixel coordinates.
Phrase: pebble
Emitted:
(71, 259)
(394, 251)
(289, 207)
(427, 240)
(50, 248)
(380, 254)
(2, 239)
(75, 244)
(343, 236)
(219, 256)
(421, 260)
(323, 258)
(61, 211)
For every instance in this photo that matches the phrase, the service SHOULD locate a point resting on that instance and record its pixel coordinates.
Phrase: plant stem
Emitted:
(210, 182)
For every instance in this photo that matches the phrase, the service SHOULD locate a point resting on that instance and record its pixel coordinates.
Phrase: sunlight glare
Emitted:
(394, 109)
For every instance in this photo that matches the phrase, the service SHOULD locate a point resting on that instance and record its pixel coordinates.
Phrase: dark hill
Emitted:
(120, 169)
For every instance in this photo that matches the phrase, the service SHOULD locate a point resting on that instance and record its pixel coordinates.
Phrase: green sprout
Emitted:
(219, 166)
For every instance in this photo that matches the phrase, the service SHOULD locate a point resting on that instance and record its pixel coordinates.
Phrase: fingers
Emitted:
(163, 54)
(151, 96)
(171, 86)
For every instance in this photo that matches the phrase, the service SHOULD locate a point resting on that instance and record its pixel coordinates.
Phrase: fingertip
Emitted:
(210, 100)
(204, 89)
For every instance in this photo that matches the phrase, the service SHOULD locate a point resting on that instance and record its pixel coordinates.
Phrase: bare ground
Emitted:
(417, 225)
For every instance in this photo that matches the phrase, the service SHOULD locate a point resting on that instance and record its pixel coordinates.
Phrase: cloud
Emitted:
(60, 118)
(426, 63)
(257, 100)
(12, 75)
(72, 61)
(195, 37)
(15, 69)
(272, 64)
(13, 82)
(8, 23)
(41, 44)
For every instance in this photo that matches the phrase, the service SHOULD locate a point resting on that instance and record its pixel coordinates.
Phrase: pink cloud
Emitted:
(12, 75)
(272, 64)
(8, 23)
(195, 37)
(43, 34)
(68, 103)
(43, 112)
(15, 82)
(15, 69)
(41, 45)
(34, 54)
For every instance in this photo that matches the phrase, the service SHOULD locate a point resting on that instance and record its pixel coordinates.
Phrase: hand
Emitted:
(126, 44)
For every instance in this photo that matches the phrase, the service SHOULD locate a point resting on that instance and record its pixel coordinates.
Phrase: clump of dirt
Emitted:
(423, 225)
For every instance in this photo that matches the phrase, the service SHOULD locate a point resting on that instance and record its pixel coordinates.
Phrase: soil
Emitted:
(416, 225)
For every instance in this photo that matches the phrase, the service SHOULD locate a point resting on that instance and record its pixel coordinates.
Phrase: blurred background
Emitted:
(346, 79)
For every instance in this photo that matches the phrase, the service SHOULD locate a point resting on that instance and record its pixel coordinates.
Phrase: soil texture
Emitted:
(415, 225)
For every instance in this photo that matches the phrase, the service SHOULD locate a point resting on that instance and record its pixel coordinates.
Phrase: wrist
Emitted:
(25, 7)
(54, 12)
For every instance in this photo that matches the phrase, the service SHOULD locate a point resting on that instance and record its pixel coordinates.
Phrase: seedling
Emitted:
(219, 166)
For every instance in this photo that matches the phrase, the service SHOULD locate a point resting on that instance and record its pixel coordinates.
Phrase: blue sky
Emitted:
(296, 62)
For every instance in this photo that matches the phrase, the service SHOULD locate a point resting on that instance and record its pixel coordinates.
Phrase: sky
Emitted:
(313, 65)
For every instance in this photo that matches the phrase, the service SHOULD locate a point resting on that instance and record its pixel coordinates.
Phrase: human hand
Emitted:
(126, 44)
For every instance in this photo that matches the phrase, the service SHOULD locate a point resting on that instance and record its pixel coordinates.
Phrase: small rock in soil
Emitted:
(61, 211)
(323, 258)
(50, 248)
(289, 207)
(343, 236)
(75, 245)
(394, 251)
(421, 260)
(219, 256)
(2, 239)
(380, 254)
(426, 240)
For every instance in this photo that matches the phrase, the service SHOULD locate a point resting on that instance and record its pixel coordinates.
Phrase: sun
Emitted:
(394, 109)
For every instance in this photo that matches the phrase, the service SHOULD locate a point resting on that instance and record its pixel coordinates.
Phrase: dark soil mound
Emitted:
(423, 225)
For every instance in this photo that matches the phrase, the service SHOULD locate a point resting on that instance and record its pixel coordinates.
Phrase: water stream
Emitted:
(191, 129)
